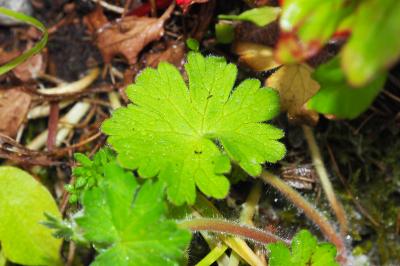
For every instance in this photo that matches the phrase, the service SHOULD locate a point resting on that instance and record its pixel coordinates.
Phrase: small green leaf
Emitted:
(172, 132)
(126, 224)
(337, 97)
(23, 202)
(303, 246)
(372, 47)
(88, 173)
(279, 255)
(35, 49)
(324, 255)
(305, 252)
(260, 16)
(193, 44)
(224, 32)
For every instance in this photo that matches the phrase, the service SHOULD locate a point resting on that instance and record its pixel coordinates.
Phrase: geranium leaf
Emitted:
(171, 131)
(126, 223)
(23, 202)
(305, 251)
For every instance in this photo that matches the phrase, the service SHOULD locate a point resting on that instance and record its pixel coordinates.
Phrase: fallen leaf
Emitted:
(295, 86)
(31, 68)
(127, 36)
(6, 56)
(258, 57)
(173, 54)
(14, 106)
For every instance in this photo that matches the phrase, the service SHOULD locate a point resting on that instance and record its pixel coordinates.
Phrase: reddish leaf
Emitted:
(145, 8)
(184, 4)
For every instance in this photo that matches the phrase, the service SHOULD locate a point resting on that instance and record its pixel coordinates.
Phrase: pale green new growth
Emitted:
(305, 252)
(187, 137)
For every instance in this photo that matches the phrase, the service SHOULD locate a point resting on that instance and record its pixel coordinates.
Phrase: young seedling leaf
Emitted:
(126, 223)
(186, 136)
(260, 16)
(23, 202)
(305, 251)
(372, 46)
(337, 97)
(89, 173)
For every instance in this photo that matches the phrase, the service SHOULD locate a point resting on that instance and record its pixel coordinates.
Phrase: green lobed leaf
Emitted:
(374, 43)
(260, 16)
(23, 201)
(305, 252)
(337, 97)
(176, 133)
(126, 223)
(35, 49)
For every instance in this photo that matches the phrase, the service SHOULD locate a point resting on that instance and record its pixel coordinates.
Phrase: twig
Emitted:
(325, 182)
(153, 5)
(116, 9)
(73, 87)
(77, 112)
(309, 210)
(52, 125)
(44, 110)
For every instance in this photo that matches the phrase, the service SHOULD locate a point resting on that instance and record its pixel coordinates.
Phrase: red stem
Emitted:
(52, 125)
(227, 227)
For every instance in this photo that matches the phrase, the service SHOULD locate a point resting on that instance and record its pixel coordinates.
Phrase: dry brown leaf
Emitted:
(258, 57)
(173, 54)
(14, 106)
(295, 86)
(127, 36)
(31, 68)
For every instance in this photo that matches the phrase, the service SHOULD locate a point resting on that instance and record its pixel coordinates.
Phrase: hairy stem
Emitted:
(228, 227)
(309, 210)
(203, 207)
(325, 182)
